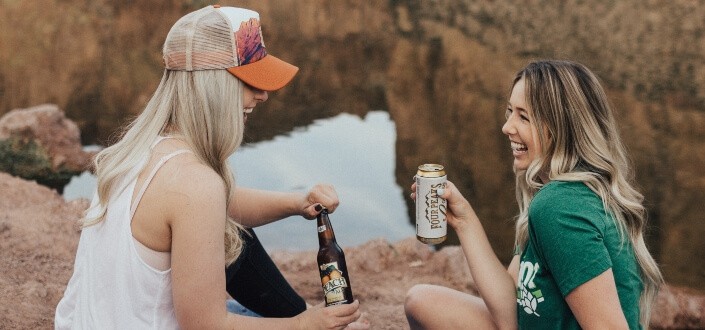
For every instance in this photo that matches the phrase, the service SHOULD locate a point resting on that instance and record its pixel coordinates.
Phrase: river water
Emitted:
(356, 155)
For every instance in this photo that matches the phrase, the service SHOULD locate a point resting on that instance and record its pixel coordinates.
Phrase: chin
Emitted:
(520, 165)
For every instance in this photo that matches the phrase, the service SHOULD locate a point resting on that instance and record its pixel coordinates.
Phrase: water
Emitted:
(356, 155)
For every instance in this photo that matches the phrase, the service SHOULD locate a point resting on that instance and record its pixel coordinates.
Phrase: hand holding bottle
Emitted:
(332, 317)
(319, 197)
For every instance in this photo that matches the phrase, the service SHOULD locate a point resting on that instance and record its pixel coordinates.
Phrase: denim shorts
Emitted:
(233, 306)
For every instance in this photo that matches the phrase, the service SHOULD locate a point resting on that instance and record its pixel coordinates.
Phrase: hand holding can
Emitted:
(431, 225)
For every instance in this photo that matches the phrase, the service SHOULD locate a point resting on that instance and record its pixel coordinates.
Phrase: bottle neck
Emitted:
(325, 230)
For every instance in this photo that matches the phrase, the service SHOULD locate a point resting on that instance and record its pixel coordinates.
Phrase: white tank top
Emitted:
(112, 287)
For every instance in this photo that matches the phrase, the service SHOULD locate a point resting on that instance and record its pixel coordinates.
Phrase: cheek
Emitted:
(535, 142)
(247, 95)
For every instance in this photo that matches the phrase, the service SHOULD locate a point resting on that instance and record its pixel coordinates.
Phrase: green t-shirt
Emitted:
(572, 239)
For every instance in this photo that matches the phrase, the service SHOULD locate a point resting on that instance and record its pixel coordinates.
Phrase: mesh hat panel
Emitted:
(202, 40)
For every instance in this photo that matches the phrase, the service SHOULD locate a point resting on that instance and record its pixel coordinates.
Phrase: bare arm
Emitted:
(254, 208)
(197, 252)
(197, 220)
(494, 282)
(513, 269)
(595, 303)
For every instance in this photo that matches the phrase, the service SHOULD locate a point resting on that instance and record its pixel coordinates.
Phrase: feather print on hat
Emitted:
(250, 47)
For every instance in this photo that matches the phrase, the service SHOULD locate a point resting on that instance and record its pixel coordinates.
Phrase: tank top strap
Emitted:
(160, 138)
(156, 168)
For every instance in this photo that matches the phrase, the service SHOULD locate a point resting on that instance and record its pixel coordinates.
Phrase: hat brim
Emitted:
(268, 74)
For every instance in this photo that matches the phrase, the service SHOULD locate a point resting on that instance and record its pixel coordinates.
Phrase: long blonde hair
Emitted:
(583, 144)
(205, 108)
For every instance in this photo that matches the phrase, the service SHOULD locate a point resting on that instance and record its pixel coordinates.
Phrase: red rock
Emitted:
(48, 126)
(678, 308)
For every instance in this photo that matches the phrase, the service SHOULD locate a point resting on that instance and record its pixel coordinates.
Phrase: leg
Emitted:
(436, 307)
(235, 307)
(255, 282)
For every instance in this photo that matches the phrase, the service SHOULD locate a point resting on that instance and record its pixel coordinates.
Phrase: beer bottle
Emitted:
(331, 265)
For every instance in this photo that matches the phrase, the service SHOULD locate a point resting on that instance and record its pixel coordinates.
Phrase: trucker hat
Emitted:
(227, 38)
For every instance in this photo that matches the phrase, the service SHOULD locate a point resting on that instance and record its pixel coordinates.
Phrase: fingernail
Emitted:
(318, 207)
(440, 191)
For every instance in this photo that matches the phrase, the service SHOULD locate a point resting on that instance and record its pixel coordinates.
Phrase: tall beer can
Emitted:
(431, 226)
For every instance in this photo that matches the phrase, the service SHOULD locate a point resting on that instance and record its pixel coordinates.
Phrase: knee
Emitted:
(417, 299)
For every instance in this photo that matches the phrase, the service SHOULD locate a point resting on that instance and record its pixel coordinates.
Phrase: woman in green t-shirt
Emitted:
(580, 259)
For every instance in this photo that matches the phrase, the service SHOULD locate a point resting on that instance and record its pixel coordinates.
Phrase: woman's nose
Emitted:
(508, 128)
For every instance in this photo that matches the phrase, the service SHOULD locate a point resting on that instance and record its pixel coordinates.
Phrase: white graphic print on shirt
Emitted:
(528, 296)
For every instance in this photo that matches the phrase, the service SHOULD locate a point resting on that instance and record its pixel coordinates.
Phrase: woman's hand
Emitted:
(459, 211)
(332, 317)
(495, 285)
(319, 197)
(255, 207)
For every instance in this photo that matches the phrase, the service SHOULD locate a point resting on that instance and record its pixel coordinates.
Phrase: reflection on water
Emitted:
(355, 155)
(369, 159)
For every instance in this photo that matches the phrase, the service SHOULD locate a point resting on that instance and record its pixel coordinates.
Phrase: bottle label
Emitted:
(333, 282)
(321, 228)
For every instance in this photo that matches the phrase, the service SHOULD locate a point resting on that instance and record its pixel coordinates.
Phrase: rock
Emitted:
(38, 239)
(678, 308)
(373, 256)
(41, 144)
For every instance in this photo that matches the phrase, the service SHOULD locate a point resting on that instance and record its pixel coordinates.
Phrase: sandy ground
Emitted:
(38, 238)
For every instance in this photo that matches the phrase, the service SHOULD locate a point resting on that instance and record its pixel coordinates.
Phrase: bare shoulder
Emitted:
(189, 186)
(186, 173)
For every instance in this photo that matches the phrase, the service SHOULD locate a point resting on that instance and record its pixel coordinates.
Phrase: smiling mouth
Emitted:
(518, 148)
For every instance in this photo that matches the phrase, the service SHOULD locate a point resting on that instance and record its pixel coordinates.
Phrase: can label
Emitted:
(430, 209)
(334, 283)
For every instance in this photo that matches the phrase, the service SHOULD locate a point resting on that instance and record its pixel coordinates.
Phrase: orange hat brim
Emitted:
(268, 74)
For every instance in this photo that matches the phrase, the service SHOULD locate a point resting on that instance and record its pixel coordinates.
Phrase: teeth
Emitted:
(518, 146)
(248, 110)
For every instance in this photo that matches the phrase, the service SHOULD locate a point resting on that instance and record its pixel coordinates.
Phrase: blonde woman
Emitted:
(580, 259)
(167, 216)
